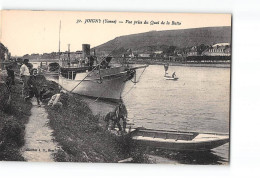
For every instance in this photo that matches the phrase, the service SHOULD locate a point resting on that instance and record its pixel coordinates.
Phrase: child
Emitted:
(33, 87)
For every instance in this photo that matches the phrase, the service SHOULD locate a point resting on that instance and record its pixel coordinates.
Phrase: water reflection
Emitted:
(104, 108)
(100, 107)
(193, 157)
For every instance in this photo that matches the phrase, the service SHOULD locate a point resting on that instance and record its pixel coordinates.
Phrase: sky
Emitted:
(26, 32)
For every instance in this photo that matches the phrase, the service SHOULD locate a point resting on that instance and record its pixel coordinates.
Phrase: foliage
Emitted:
(12, 125)
(80, 135)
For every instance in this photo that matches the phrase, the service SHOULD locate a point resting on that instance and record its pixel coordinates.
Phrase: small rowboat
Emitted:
(171, 78)
(177, 140)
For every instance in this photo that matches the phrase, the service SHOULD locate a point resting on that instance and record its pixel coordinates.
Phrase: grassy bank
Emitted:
(13, 118)
(82, 137)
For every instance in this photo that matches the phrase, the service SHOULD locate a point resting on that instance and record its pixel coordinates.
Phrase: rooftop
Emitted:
(221, 44)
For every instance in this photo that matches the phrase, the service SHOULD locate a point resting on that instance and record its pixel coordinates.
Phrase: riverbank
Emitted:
(13, 119)
(82, 136)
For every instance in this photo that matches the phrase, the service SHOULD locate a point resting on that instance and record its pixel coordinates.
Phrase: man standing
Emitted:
(166, 66)
(25, 74)
(122, 114)
(33, 85)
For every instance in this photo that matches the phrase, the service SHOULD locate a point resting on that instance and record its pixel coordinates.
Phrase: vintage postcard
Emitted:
(115, 87)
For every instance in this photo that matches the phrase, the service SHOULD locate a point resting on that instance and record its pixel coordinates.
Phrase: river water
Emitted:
(198, 101)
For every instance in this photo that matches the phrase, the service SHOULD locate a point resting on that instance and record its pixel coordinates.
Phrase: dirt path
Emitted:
(39, 144)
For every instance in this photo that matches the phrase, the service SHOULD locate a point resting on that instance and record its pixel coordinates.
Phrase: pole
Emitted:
(59, 41)
(68, 53)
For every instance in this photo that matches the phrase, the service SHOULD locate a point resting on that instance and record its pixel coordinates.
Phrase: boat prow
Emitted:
(179, 141)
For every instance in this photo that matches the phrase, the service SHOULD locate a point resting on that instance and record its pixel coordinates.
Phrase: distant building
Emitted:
(193, 51)
(128, 53)
(158, 52)
(144, 55)
(221, 49)
(4, 55)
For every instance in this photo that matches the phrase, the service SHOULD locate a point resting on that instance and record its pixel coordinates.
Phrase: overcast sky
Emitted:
(26, 32)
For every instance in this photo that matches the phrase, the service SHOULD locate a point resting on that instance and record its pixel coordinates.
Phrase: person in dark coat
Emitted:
(115, 116)
(173, 75)
(33, 86)
(10, 76)
(46, 94)
(110, 117)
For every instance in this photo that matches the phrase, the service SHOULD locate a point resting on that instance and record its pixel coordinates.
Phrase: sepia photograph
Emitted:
(115, 87)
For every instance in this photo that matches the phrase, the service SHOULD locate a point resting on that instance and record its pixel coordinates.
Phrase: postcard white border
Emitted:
(245, 144)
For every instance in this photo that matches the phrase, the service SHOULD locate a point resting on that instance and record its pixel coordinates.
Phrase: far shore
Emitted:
(214, 65)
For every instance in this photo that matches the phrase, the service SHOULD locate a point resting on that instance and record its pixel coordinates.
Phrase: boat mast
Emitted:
(68, 53)
(59, 41)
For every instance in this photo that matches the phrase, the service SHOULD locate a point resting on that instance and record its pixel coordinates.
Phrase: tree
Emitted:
(170, 50)
(118, 52)
(201, 48)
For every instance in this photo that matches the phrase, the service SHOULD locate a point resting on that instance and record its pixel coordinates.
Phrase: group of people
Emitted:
(166, 67)
(31, 85)
(114, 117)
(33, 88)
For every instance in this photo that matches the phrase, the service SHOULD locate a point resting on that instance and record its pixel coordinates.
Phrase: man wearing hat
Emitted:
(25, 74)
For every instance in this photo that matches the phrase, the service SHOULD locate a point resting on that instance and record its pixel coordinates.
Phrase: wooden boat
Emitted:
(53, 67)
(50, 71)
(171, 78)
(177, 140)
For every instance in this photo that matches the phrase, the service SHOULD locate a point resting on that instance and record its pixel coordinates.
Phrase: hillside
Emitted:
(158, 40)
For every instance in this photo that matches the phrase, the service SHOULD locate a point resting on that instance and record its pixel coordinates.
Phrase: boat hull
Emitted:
(170, 78)
(108, 87)
(179, 141)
